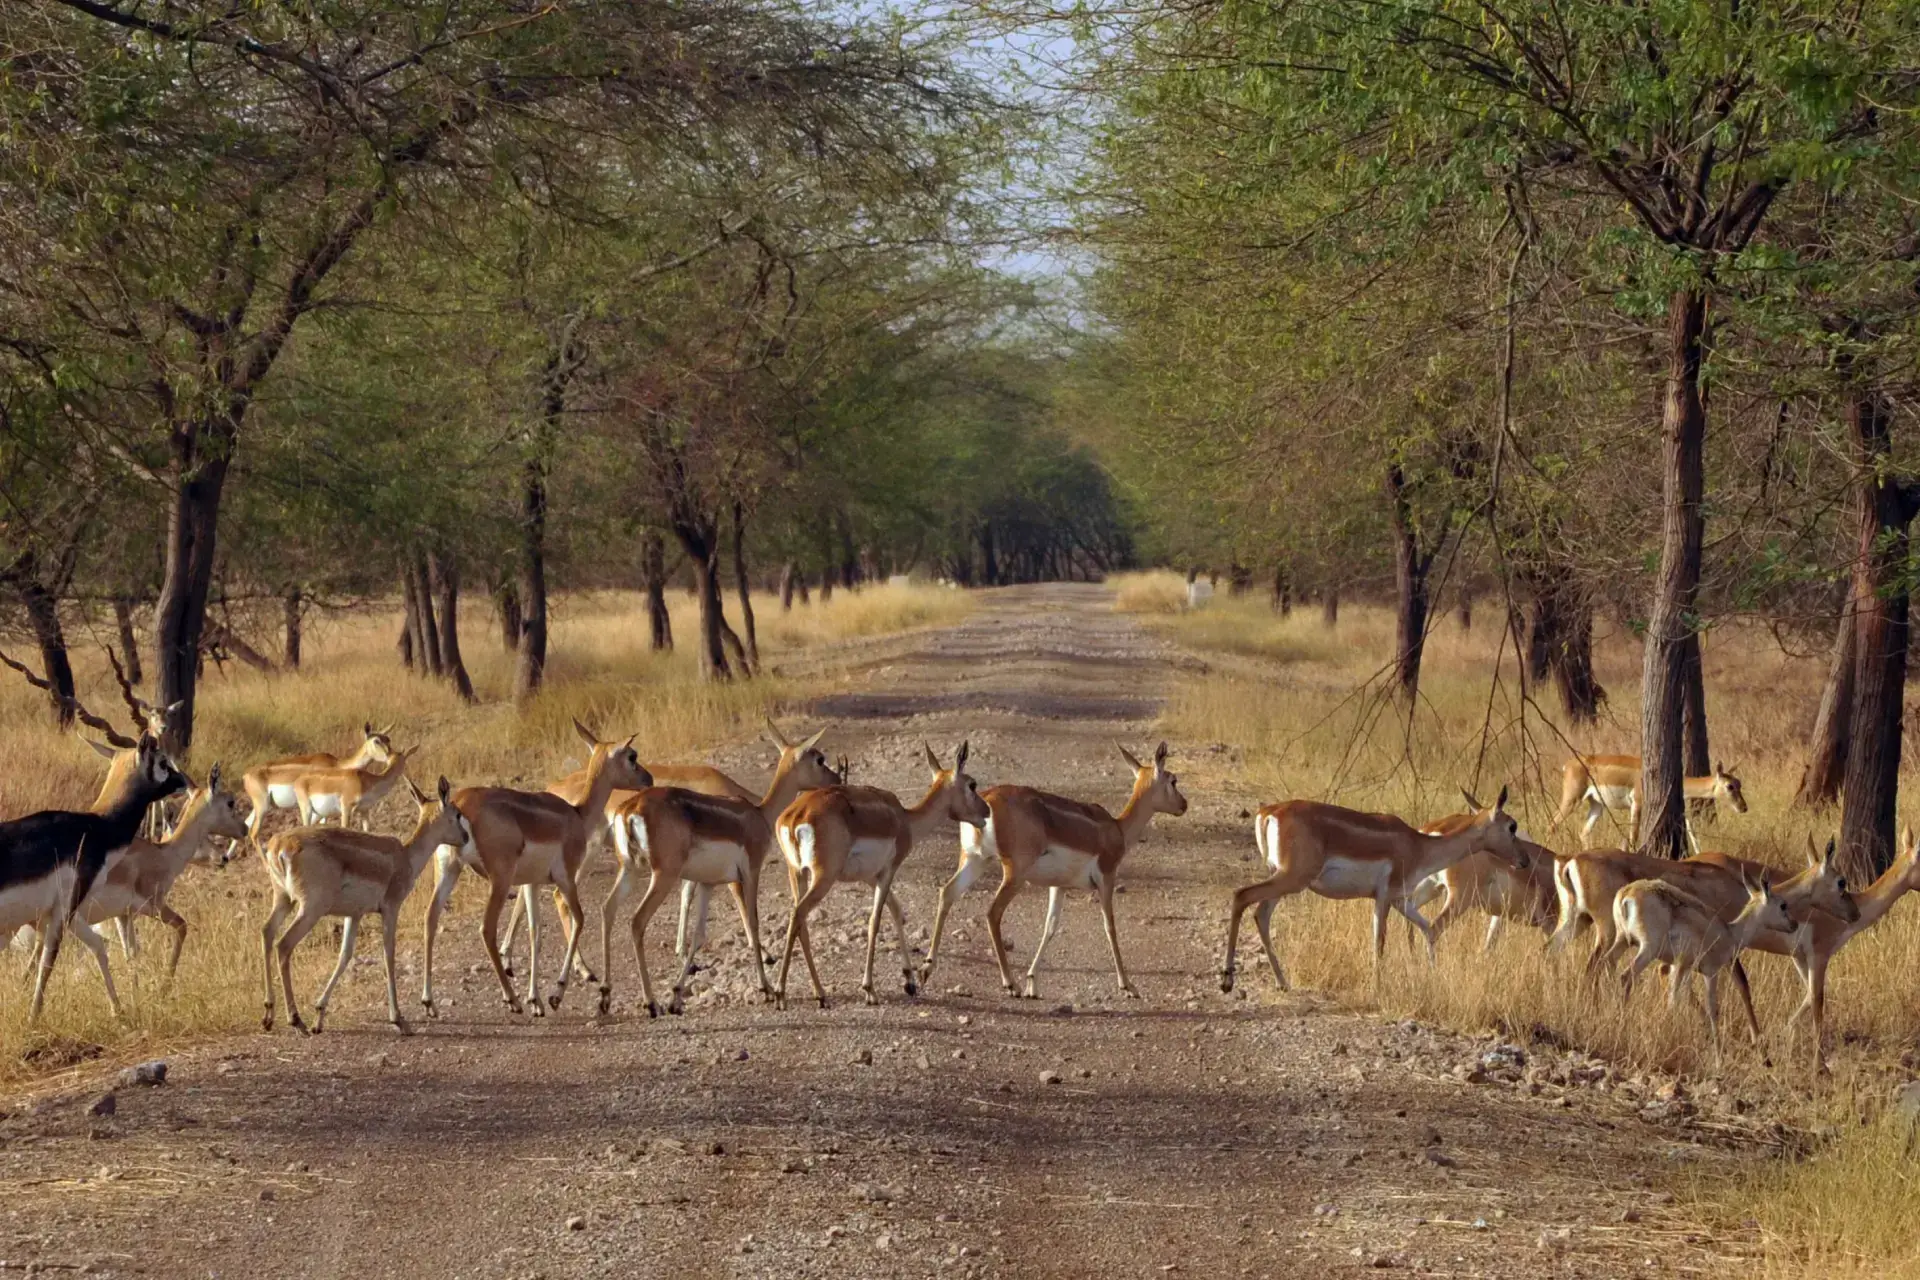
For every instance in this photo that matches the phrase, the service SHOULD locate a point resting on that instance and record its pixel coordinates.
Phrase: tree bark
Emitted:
(1871, 781)
(411, 654)
(1411, 564)
(653, 576)
(1464, 613)
(788, 576)
(1572, 662)
(290, 619)
(1696, 759)
(800, 587)
(699, 537)
(531, 669)
(742, 584)
(1282, 591)
(506, 603)
(1670, 620)
(1827, 754)
(445, 575)
(989, 558)
(1542, 634)
(429, 638)
(1330, 606)
(849, 557)
(129, 644)
(197, 478)
(43, 615)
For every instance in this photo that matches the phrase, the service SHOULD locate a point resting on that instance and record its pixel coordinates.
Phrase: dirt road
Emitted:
(1186, 1133)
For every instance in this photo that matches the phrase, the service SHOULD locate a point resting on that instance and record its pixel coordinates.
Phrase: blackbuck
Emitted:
(1813, 946)
(136, 880)
(1063, 844)
(1666, 924)
(529, 838)
(862, 835)
(1485, 882)
(1613, 783)
(1589, 883)
(347, 792)
(702, 842)
(795, 760)
(270, 786)
(123, 761)
(50, 860)
(335, 871)
(1344, 854)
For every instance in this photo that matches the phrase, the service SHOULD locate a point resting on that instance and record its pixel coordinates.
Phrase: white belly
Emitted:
(1611, 797)
(34, 900)
(715, 862)
(867, 859)
(537, 862)
(1351, 878)
(281, 796)
(324, 806)
(1065, 869)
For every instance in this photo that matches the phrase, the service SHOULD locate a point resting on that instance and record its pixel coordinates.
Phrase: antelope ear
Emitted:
(933, 761)
(1472, 802)
(1906, 836)
(775, 736)
(960, 759)
(419, 796)
(102, 749)
(1501, 803)
(586, 734)
(1128, 756)
(1160, 756)
(629, 741)
(446, 790)
(366, 728)
(1833, 847)
(812, 742)
(213, 778)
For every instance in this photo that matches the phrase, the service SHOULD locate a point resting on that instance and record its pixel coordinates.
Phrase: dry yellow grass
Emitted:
(600, 671)
(1305, 707)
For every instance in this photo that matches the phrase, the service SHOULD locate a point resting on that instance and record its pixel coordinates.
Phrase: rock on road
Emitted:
(964, 1133)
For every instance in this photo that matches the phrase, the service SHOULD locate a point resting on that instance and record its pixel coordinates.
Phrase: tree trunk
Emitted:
(198, 477)
(429, 638)
(1696, 759)
(445, 574)
(1239, 579)
(1282, 592)
(290, 618)
(1572, 662)
(1330, 606)
(750, 660)
(989, 559)
(788, 576)
(1465, 610)
(1542, 633)
(849, 558)
(1411, 565)
(826, 585)
(700, 538)
(1827, 754)
(531, 669)
(129, 643)
(1872, 777)
(1670, 620)
(409, 643)
(800, 586)
(653, 576)
(506, 603)
(43, 615)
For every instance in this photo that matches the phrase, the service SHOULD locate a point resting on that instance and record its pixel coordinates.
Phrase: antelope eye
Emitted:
(1841, 884)
(972, 785)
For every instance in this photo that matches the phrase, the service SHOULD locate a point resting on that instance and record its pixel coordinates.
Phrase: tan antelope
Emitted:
(335, 871)
(1813, 947)
(863, 835)
(347, 792)
(1613, 782)
(135, 881)
(1343, 853)
(685, 837)
(529, 838)
(1063, 844)
(123, 760)
(270, 786)
(1483, 882)
(796, 759)
(1666, 924)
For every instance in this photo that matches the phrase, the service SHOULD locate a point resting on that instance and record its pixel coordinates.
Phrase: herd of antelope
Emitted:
(693, 828)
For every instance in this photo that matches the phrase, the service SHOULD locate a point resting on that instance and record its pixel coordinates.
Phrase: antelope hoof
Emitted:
(514, 1006)
(508, 970)
(319, 1022)
(1226, 979)
(865, 991)
(1010, 989)
(1030, 992)
(1129, 992)
(606, 1001)
(824, 1003)
(653, 1010)
(780, 1001)
(433, 1010)
(536, 1006)
(401, 1025)
(678, 1005)
(913, 988)
(553, 1001)
(266, 1023)
(294, 1021)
